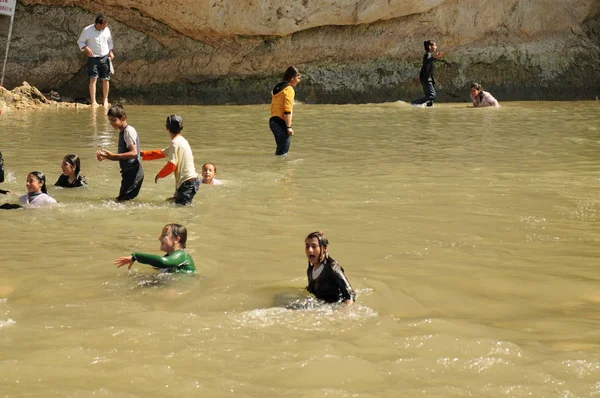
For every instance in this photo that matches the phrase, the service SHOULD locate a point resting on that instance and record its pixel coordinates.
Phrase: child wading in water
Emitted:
(181, 162)
(282, 104)
(426, 76)
(132, 174)
(172, 241)
(326, 278)
(37, 193)
(209, 171)
(71, 173)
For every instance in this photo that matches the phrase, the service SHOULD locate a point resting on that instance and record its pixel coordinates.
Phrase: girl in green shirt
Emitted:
(172, 241)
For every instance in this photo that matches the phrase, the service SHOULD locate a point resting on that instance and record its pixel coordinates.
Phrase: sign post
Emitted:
(7, 7)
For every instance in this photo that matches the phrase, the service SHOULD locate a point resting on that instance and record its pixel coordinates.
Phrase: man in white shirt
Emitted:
(96, 41)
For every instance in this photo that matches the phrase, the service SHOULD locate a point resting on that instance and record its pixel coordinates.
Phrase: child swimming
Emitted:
(482, 98)
(37, 193)
(172, 241)
(209, 171)
(71, 176)
(326, 278)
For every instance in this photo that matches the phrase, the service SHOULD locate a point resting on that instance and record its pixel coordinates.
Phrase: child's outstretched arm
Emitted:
(125, 260)
(153, 154)
(168, 169)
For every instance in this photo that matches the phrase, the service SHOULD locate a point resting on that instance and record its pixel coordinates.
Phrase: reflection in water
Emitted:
(470, 236)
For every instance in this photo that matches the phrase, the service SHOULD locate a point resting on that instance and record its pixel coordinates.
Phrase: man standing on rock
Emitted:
(96, 41)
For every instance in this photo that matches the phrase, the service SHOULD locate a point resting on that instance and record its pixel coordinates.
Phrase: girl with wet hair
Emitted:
(37, 193)
(71, 173)
(282, 104)
(326, 278)
(172, 241)
(481, 98)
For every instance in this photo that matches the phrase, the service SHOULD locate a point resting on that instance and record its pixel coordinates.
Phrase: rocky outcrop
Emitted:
(27, 97)
(217, 51)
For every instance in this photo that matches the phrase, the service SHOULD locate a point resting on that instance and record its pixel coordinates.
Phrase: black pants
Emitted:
(186, 192)
(282, 138)
(131, 182)
(429, 91)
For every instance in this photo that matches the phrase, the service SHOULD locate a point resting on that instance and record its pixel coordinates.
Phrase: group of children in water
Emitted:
(326, 278)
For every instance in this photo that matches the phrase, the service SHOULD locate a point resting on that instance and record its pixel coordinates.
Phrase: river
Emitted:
(471, 237)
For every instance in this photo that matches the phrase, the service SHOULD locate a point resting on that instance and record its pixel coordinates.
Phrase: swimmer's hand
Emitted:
(290, 131)
(156, 179)
(348, 302)
(3, 192)
(439, 55)
(126, 260)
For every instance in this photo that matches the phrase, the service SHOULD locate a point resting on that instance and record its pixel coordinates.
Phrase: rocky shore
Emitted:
(211, 51)
(26, 96)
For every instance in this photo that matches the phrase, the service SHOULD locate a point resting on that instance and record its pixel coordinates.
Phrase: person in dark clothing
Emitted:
(326, 278)
(128, 156)
(426, 76)
(282, 104)
(71, 176)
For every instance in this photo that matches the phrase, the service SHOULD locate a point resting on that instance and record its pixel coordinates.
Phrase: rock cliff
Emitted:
(234, 51)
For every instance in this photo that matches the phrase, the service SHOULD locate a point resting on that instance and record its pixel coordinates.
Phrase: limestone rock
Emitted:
(218, 51)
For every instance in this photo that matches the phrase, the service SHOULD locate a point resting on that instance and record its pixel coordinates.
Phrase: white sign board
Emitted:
(7, 7)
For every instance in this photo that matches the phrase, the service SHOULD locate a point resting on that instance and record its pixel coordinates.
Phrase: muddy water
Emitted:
(471, 237)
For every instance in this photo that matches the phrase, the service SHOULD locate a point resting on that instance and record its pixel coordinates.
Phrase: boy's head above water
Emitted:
(117, 116)
(174, 124)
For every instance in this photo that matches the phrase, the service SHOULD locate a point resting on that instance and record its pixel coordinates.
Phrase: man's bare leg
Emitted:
(93, 81)
(105, 89)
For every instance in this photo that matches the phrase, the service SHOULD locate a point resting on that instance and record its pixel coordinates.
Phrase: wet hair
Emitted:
(427, 43)
(180, 231)
(73, 160)
(212, 164)
(476, 86)
(174, 124)
(100, 19)
(290, 73)
(323, 241)
(117, 111)
(41, 178)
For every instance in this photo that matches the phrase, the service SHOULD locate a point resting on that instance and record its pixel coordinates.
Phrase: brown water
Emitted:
(471, 237)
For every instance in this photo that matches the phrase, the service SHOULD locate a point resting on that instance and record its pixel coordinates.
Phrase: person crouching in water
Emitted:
(37, 193)
(326, 278)
(282, 104)
(482, 98)
(181, 162)
(172, 241)
(426, 76)
(71, 176)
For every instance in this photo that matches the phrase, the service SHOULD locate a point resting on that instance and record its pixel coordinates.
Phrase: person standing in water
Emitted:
(97, 44)
(482, 98)
(172, 241)
(181, 162)
(326, 278)
(129, 157)
(426, 76)
(282, 104)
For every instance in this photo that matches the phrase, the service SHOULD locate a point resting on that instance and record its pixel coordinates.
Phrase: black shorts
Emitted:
(98, 67)
(186, 192)
(131, 182)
